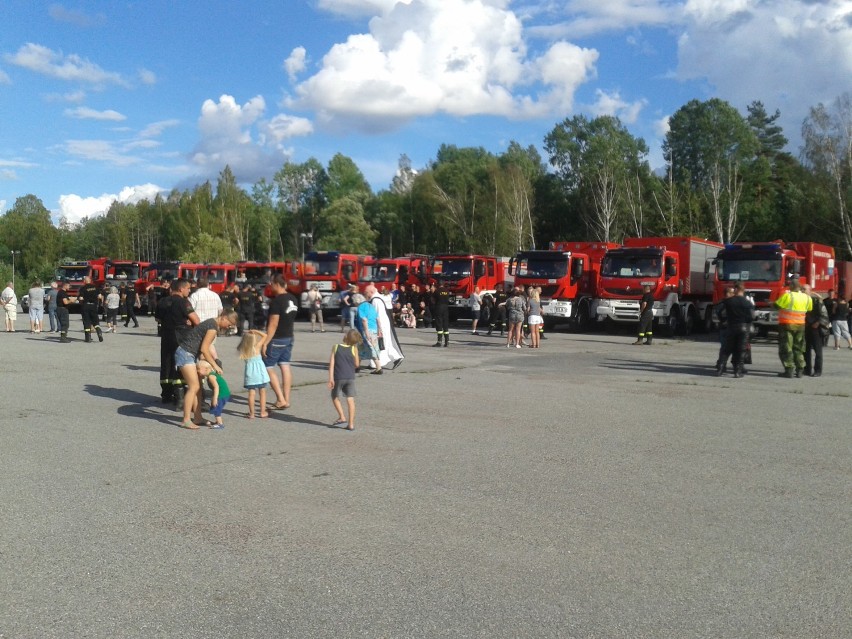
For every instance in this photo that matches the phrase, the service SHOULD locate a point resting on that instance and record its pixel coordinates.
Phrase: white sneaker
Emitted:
(517, 345)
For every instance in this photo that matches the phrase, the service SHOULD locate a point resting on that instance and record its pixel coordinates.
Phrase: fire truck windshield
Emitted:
(72, 273)
(752, 268)
(543, 268)
(380, 273)
(631, 265)
(321, 267)
(257, 274)
(451, 269)
(125, 272)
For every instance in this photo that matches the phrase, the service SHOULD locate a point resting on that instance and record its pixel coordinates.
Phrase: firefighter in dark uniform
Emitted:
(62, 314)
(174, 315)
(441, 313)
(246, 308)
(498, 315)
(646, 317)
(90, 297)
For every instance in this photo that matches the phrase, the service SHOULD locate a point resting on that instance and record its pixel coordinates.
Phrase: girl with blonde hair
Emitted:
(256, 376)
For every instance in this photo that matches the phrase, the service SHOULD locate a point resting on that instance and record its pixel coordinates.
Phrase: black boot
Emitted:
(100, 333)
(63, 338)
(88, 336)
(788, 373)
(446, 339)
(438, 343)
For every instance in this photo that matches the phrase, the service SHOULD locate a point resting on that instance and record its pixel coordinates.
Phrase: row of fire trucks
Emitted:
(582, 283)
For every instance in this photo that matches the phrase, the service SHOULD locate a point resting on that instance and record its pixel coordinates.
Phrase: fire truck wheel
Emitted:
(689, 322)
(673, 323)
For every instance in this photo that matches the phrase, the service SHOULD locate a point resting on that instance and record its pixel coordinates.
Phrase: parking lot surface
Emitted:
(587, 489)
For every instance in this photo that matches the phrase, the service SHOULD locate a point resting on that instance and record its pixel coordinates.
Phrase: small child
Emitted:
(256, 375)
(342, 367)
(221, 392)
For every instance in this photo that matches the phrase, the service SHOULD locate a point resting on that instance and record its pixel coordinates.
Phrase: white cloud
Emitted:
(585, 18)
(661, 127)
(17, 164)
(461, 57)
(75, 207)
(155, 129)
(77, 18)
(283, 127)
(74, 97)
(85, 113)
(4, 77)
(613, 104)
(295, 63)
(789, 54)
(357, 8)
(40, 59)
(8, 175)
(238, 136)
(99, 151)
(147, 77)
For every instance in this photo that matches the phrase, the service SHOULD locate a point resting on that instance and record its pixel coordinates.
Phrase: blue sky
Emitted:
(119, 100)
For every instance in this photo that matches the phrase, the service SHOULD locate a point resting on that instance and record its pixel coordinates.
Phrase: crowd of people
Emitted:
(806, 320)
(191, 317)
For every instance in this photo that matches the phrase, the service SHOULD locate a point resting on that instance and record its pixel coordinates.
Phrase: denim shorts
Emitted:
(278, 351)
(183, 358)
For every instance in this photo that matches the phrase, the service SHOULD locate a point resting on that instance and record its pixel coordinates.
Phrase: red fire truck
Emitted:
(568, 275)
(220, 276)
(391, 272)
(676, 270)
(766, 267)
(74, 272)
(259, 274)
(331, 272)
(461, 273)
(128, 272)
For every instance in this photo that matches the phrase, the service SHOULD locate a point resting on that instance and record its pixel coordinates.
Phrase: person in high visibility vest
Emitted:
(792, 307)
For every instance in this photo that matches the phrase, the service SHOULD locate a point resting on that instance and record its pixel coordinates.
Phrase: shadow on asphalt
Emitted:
(678, 369)
(135, 404)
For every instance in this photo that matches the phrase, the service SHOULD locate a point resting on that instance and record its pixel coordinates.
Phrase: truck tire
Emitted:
(708, 320)
(690, 319)
(672, 324)
(584, 317)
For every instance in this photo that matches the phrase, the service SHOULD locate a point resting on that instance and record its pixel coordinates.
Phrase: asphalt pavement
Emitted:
(590, 488)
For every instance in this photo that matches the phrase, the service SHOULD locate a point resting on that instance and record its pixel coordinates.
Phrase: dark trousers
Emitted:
(90, 317)
(813, 342)
(246, 314)
(735, 344)
(498, 320)
(442, 320)
(646, 324)
(63, 318)
(130, 314)
(169, 376)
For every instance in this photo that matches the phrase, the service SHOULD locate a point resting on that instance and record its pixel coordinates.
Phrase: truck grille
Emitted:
(632, 292)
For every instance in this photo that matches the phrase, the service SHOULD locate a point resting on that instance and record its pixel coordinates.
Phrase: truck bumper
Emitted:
(557, 309)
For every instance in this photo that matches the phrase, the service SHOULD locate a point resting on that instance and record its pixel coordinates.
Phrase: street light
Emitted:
(14, 253)
(310, 236)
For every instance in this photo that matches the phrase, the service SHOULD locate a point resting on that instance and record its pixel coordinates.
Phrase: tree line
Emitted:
(726, 177)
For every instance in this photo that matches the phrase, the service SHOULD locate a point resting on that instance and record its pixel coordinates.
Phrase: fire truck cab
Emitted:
(331, 272)
(461, 273)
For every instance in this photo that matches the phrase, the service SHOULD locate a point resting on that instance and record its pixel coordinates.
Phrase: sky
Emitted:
(120, 100)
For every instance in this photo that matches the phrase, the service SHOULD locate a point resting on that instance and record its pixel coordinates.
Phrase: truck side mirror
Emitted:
(707, 264)
(796, 267)
(511, 269)
(671, 267)
(577, 268)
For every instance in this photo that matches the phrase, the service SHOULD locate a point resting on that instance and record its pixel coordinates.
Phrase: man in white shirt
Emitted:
(207, 305)
(9, 301)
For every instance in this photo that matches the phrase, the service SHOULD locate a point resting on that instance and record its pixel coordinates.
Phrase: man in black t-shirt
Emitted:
(646, 316)
(175, 316)
(277, 347)
(62, 314)
(90, 296)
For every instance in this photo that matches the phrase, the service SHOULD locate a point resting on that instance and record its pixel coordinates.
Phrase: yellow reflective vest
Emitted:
(792, 307)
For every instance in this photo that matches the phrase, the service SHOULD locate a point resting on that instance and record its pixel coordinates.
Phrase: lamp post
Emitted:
(14, 253)
(310, 236)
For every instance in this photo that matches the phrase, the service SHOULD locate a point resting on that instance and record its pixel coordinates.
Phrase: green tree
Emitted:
(345, 229)
(827, 135)
(205, 248)
(234, 209)
(28, 229)
(707, 146)
(599, 163)
(301, 198)
(345, 180)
